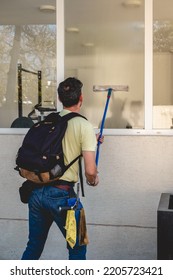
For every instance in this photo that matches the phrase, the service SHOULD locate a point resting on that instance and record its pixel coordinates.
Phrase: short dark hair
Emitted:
(69, 91)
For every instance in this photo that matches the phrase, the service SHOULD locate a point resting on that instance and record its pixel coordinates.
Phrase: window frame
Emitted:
(148, 76)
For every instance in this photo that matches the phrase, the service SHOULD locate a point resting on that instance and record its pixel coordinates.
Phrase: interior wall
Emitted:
(121, 212)
(162, 78)
(121, 69)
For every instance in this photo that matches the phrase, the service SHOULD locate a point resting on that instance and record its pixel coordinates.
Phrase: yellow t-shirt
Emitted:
(79, 137)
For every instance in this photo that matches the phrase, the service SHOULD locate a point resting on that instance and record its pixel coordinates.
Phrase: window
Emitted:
(104, 45)
(27, 63)
(100, 42)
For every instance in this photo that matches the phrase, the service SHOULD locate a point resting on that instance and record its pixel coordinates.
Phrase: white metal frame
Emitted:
(60, 46)
(148, 82)
(148, 75)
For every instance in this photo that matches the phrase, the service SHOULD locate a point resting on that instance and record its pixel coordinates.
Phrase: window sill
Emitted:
(108, 132)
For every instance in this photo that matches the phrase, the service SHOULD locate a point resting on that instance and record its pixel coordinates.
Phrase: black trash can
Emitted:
(165, 227)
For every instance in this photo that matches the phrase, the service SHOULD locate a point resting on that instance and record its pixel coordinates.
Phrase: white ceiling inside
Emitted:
(25, 12)
(105, 23)
(101, 22)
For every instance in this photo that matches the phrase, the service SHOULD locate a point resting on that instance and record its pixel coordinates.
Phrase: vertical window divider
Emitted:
(60, 44)
(148, 92)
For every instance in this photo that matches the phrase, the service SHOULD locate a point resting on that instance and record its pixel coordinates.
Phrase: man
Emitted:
(45, 202)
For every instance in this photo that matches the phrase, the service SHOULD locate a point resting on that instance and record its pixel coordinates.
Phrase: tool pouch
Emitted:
(25, 191)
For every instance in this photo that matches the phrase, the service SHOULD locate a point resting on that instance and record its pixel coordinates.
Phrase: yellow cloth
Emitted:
(70, 227)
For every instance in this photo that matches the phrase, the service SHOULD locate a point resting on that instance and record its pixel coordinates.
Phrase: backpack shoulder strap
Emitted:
(54, 117)
(72, 115)
(81, 176)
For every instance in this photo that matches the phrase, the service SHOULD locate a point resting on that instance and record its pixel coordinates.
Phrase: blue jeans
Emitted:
(44, 206)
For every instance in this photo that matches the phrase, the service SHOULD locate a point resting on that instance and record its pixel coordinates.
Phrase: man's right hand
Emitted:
(94, 183)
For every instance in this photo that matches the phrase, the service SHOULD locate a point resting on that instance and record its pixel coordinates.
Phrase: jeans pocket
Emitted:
(55, 193)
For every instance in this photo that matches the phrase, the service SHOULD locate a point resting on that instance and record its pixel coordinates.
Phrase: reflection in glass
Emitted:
(104, 45)
(34, 47)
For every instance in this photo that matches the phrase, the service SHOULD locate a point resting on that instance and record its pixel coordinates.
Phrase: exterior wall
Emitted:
(121, 212)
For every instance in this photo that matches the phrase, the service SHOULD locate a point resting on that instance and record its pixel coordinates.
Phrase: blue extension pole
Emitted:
(102, 124)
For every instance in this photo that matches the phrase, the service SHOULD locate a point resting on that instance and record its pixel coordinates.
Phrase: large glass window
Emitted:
(27, 62)
(104, 45)
(163, 64)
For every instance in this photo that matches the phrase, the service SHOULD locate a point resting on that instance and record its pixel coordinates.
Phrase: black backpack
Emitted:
(40, 159)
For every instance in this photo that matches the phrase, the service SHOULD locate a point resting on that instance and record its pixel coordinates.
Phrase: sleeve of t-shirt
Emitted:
(89, 141)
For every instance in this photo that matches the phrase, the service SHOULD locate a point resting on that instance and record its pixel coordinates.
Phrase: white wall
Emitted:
(121, 212)
(162, 78)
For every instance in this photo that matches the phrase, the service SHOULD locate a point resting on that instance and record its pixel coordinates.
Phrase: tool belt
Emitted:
(28, 186)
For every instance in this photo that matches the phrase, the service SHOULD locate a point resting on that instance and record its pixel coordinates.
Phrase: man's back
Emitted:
(79, 137)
